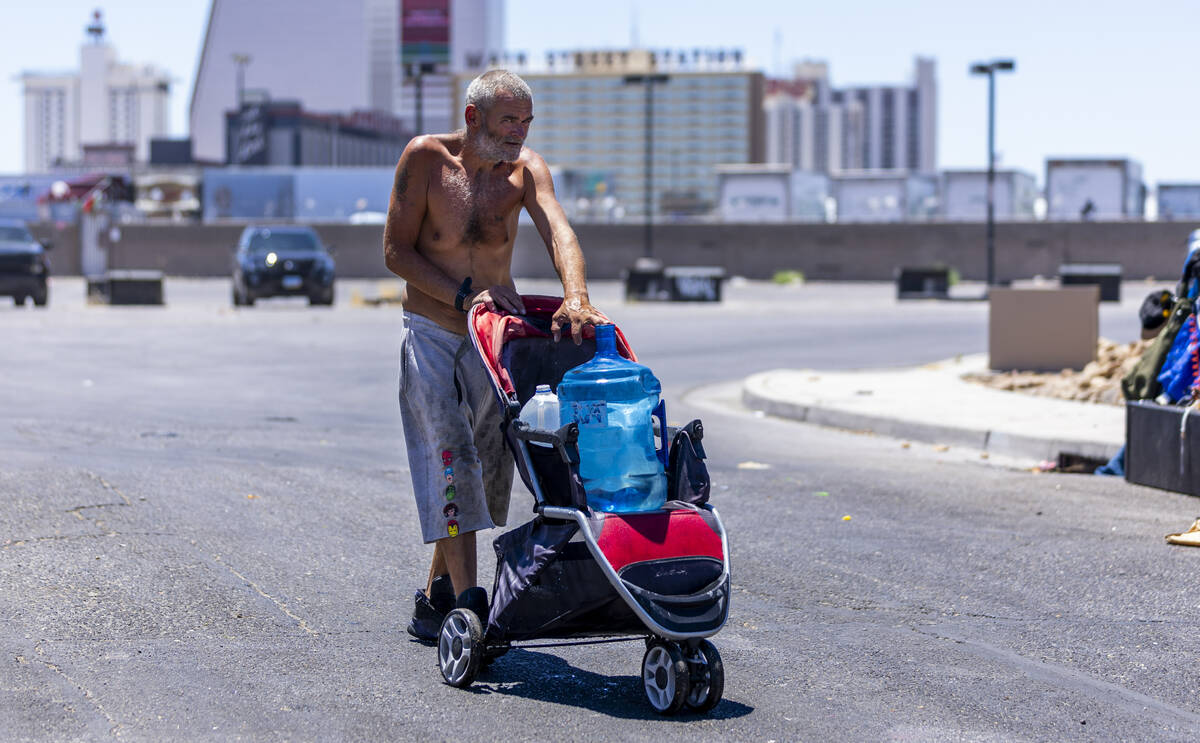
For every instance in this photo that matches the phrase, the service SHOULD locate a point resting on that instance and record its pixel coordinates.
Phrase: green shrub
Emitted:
(788, 277)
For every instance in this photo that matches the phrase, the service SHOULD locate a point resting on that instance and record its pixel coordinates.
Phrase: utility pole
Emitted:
(417, 71)
(240, 61)
(649, 81)
(990, 69)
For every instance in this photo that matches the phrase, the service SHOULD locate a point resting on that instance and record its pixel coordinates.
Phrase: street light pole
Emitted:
(991, 183)
(649, 81)
(417, 71)
(420, 77)
(990, 69)
(241, 60)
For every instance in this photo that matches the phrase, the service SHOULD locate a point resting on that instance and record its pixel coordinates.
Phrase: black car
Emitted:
(284, 260)
(23, 264)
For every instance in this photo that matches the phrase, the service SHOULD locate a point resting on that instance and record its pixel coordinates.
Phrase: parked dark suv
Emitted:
(283, 260)
(23, 264)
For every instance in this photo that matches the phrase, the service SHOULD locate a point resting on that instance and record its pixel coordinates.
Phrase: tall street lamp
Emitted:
(990, 69)
(649, 81)
(241, 60)
(417, 72)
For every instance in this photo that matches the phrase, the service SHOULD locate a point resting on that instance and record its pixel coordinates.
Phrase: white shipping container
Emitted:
(964, 195)
(1178, 201)
(1112, 187)
(770, 193)
(885, 198)
(810, 192)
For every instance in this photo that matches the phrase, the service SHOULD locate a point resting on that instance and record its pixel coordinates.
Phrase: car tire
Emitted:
(41, 297)
(19, 300)
(323, 299)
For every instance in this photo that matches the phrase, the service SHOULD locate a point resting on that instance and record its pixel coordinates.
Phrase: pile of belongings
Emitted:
(1169, 370)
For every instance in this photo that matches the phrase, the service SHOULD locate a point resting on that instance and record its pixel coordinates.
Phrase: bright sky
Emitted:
(1102, 77)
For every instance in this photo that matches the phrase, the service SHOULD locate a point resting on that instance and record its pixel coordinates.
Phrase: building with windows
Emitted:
(813, 126)
(591, 121)
(106, 107)
(281, 133)
(338, 55)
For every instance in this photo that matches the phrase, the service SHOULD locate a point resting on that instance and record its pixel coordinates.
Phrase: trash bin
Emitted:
(1106, 275)
(126, 287)
(922, 283)
(645, 281)
(694, 283)
(1162, 448)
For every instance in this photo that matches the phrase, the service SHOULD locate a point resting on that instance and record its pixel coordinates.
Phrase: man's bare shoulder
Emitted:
(537, 172)
(532, 161)
(431, 147)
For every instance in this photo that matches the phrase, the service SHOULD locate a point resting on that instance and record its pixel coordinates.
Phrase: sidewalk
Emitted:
(933, 404)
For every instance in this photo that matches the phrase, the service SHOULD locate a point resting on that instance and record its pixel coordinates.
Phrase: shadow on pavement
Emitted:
(549, 678)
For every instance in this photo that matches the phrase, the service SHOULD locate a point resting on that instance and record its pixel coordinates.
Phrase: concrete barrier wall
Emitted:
(851, 252)
(874, 251)
(64, 250)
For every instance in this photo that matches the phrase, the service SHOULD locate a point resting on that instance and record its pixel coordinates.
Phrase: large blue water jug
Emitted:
(612, 399)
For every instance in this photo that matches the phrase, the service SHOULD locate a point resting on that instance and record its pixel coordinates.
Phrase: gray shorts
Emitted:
(462, 470)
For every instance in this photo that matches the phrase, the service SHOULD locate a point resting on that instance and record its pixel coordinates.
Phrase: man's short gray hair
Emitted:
(485, 89)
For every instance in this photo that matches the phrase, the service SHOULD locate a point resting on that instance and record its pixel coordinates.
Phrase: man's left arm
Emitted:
(563, 246)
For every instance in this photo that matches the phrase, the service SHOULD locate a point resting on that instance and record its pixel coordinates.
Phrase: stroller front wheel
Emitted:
(460, 648)
(707, 676)
(665, 677)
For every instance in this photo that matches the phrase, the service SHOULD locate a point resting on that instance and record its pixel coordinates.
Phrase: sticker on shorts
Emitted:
(450, 493)
(590, 413)
(449, 474)
(447, 457)
(450, 511)
(452, 528)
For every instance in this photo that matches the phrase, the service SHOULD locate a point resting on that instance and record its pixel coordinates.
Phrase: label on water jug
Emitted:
(589, 412)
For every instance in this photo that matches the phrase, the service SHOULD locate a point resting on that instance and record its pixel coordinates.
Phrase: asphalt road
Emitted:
(208, 534)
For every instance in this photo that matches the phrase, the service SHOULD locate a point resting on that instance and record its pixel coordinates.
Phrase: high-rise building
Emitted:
(439, 38)
(337, 56)
(591, 125)
(106, 106)
(813, 126)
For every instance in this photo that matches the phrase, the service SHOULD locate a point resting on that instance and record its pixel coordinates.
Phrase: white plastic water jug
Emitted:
(541, 412)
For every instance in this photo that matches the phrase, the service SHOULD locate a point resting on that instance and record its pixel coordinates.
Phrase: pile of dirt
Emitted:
(1099, 381)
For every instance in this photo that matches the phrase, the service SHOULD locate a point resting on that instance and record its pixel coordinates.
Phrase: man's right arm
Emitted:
(407, 209)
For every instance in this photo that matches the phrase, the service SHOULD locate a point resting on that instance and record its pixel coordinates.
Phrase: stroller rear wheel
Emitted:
(460, 647)
(707, 676)
(665, 677)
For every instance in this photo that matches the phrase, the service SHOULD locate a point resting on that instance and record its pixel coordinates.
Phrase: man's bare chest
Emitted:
(476, 210)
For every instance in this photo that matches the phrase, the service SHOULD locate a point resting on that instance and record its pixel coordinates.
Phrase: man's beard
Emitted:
(492, 148)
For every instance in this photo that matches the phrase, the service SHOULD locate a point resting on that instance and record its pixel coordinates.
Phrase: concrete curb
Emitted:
(997, 425)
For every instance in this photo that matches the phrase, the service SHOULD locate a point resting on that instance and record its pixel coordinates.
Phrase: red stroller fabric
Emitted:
(492, 330)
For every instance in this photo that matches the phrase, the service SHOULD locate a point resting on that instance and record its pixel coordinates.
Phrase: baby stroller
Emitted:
(572, 573)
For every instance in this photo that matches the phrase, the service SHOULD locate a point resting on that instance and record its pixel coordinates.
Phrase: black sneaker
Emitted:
(476, 600)
(429, 611)
(441, 595)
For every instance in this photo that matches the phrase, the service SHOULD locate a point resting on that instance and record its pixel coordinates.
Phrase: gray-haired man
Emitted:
(450, 230)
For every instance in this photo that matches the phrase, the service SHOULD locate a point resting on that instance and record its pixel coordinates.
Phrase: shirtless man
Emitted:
(450, 230)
